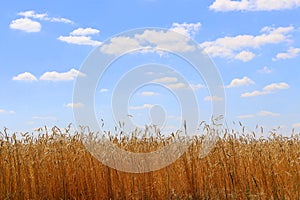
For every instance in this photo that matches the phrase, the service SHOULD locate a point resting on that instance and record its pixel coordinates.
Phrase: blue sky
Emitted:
(255, 45)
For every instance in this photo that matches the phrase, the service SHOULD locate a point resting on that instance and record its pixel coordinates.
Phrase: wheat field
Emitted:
(56, 165)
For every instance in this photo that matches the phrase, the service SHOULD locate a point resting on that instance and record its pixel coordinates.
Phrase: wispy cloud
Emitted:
(148, 93)
(245, 81)
(267, 89)
(79, 40)
(166, 79)
(253, 5)
(291, 53)
(268, 114)
(61, 76)
(213, 98)
(265, 70)
(145, 106)
(44, 17)
(245, 116)
(74, 105)
(3, 111)
(102, 90)
(26, 76)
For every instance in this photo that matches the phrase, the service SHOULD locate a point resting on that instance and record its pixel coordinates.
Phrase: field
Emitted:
(56, 165)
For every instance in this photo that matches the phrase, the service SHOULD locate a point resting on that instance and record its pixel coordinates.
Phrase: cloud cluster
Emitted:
(262, 113)
(27, 24)
(267, 89)
(49, 76)
(152, 39)
(7, 111)
(233, 47)
(81, 36)
(253, 5)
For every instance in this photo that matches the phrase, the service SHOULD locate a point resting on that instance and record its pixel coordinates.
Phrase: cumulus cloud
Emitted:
(153, 40)
(291, 53)
(187, 29)
(229, 47)
(61, 76)
(141, 107)
(26, 76)
(75, 105)
(240, 82)
(253, 5)
(25, 24)
(213, 98)
(85, 31)
(268, 114)
(267, 89)
(245, 56)
(121, 44)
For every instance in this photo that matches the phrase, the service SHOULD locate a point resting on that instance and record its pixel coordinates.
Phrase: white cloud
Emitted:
(296, 125)
(291, 53)
(75, 105)
(85, 31)
(50, 118)
(141, 107)
(229, 47)
(103, 90)
(268, 113)
(147, 93)
(265, 70)
(276, 86)
(187, 29)
(166, 79)
(197, 86)
(168, 40)
(153, 41)
(245, 56)
(213, 98)
(64, 76)
(26, 76)
(254, 93)
(240, 82)
(79, 40)
(11, 112)
(25, 24)
(175, 86)
(44, 17)
(119, 45)
(267, 89)
(253, 5)
(245, 116)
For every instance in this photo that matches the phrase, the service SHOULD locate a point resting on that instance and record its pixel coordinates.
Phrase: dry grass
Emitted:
(55, 165)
